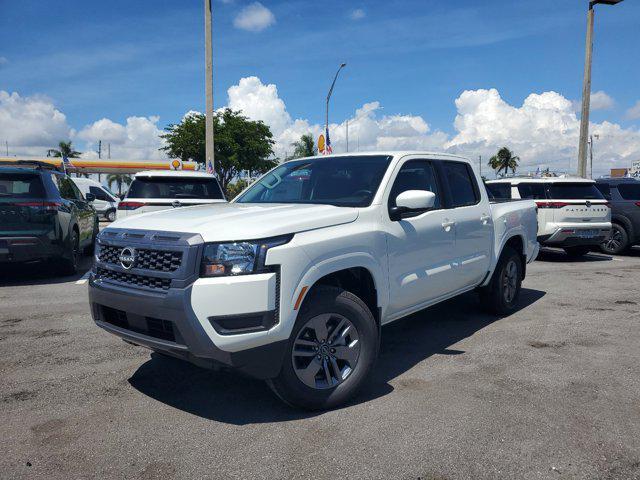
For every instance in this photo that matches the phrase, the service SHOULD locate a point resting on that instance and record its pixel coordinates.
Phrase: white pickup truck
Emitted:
(292, 280)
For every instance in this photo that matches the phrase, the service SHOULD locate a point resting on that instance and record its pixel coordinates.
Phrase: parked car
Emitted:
(105, 203)
(291, 281)
(44, 216)
(572, 213)
(623, 195)
(155, 190)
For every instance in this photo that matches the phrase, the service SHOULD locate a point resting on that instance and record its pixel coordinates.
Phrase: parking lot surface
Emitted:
(552, 391)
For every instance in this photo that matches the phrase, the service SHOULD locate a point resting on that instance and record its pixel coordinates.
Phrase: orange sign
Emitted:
(321, 143)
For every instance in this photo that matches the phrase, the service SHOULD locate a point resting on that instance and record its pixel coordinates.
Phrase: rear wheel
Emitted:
(617, 242)
(331, 351)
(503, 292)
(111, 216)
(69, 265)
(577, 252)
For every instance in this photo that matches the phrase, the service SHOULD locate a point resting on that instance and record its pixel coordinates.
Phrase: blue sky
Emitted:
(139, 58)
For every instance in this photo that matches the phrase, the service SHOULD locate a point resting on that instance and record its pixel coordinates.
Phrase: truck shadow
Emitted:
(555, 255)
(230, 398)
(39, 273)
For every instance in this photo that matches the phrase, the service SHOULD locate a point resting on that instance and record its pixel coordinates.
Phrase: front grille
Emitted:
(133, 279)
(148, 259)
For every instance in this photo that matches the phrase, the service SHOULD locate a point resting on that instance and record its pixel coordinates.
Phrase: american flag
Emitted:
(209, 167)
(65, 162)
(327, 149)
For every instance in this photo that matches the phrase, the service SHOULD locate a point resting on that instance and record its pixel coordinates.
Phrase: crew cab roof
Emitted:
(393, 153)
(173, 173)
(517, 180)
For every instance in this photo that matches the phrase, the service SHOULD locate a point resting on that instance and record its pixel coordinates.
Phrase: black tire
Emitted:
(577, 252)
(110, 216)
(89, 249)
(69, 264)
(507, 276)
(618, 241)
(328, 302)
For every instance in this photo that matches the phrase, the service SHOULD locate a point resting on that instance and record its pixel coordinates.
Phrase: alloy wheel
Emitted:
(325, 351)
(615, 241)
(510, 281)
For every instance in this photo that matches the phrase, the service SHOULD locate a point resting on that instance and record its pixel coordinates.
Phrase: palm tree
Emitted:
(65, 149)
(504, 160)
(305, 147)
(118, 179)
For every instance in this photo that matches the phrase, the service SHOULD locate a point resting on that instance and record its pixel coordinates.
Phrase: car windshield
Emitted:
(21, 185)
(574, 191)
(349, 181)
(172, 187)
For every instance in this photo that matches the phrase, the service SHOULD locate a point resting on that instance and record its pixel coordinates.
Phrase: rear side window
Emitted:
(629, 191)
(499, 191)
(574, 191)
(171, 187)
(462, 184)
(531, 191)
(67, 188)
(100, 194)
(415, 175)
(605, 190)
(21, 185)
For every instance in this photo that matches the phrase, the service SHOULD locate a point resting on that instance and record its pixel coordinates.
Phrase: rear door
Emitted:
(473, 223)
(629, 204)
(577, 203)
(79, 208)
(22, 204)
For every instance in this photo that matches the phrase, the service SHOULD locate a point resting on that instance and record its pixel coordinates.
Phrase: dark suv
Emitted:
(624, 196)
(43, 216)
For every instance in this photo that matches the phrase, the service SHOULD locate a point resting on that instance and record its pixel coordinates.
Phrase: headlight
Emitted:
(237, 258)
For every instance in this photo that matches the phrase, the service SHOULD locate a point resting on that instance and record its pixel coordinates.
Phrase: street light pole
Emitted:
(342, 65)
(209, 141)
(586, 88)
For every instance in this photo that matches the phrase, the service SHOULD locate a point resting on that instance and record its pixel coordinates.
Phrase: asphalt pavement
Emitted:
(552, 391)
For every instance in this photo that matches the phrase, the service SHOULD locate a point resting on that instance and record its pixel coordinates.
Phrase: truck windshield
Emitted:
(21, 185)
(172, 187)
(349, 181)
(574, 191)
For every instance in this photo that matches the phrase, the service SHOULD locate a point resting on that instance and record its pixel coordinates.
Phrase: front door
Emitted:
(420, 246)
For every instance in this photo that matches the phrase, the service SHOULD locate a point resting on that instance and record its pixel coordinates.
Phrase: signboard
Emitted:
(321, 145)
(635, 167)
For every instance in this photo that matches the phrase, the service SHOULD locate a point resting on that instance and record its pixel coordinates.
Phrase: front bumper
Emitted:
(576, 236)
(166, 322)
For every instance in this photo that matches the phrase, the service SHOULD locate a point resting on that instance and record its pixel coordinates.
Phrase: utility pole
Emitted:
(326, 124)
(6, 144)
(480, 164)
(347, 135)
(208, 53)
(99, 149)
(586, 87)
(109, 151)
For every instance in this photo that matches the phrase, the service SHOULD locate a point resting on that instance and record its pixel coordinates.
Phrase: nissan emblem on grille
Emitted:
(127, 257)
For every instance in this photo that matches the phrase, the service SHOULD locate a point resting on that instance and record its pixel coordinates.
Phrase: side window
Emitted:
(499, 191)
(415, 175)
(531, 191)
(605, 190)
(67, 188)
(462, 184)
(99, 193)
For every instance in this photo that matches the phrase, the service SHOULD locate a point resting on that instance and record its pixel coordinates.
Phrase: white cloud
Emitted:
(138, 139)
(31, 125)
(601, 101)
(357, 14)
(3, 60)
(254, 18)
(634, 112)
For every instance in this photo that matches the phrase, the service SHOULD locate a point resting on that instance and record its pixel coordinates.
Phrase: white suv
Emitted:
(155, 190)
(572, 213)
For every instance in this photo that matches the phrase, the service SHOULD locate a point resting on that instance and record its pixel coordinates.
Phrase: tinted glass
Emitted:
(531, 191)
(171, 187)
(67, 188)
(499, 191)
(21, 185)
(415, 175)
(605, 189)
(629, 191)
(342, 181)
(574, 191)
(100, 194)
(462, 185)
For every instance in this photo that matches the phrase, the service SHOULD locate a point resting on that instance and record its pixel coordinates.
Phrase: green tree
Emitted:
(240, 144)
(504, 160)
(305, 147)
(119, 180)
(64, 149)
(233, 189)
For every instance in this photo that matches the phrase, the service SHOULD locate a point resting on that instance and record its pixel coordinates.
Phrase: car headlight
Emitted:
(237, 258)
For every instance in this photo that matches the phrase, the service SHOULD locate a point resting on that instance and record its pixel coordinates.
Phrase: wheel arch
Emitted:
(626, 223)
(515, 241)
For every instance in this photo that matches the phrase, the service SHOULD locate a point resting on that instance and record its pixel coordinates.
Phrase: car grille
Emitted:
(158, 260)
(136, 280)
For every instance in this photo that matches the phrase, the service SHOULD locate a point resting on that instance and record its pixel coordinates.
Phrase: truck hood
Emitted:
(237, 221)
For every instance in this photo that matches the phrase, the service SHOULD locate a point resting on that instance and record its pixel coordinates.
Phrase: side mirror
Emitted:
(89, 197)
(412, 201)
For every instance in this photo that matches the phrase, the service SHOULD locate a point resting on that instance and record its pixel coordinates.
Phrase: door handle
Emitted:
(446, 225)
(485, 218)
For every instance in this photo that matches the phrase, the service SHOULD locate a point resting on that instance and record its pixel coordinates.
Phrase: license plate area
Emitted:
(587, 233)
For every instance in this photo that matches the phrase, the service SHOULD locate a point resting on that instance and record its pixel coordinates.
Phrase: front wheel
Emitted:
(111, 216)
(331, 351)
(617, 242)
(503, 292)
(577, 252)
